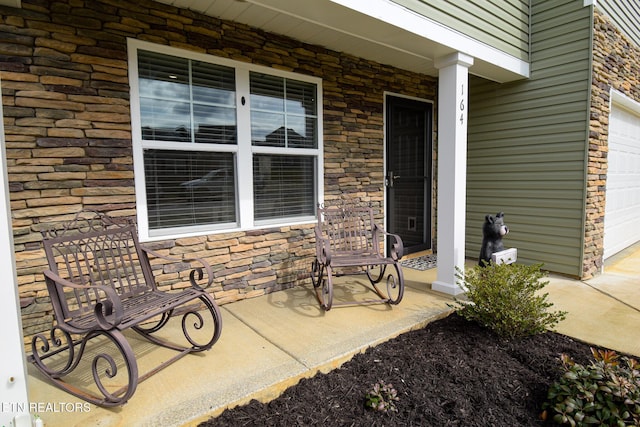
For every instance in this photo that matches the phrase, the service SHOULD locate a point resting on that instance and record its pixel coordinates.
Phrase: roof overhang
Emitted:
(378, 30)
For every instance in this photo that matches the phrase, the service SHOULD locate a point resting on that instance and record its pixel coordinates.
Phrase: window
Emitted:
(221, 145)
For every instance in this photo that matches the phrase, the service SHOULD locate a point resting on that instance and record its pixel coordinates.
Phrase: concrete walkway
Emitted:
(270, 343)
(604, 310)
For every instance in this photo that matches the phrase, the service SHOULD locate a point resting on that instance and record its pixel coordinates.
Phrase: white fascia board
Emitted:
(401, 17)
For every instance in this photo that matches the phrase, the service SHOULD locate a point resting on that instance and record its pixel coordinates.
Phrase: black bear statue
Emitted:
(493, 230)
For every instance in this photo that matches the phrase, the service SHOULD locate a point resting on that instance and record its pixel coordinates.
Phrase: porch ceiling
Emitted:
(378, 30)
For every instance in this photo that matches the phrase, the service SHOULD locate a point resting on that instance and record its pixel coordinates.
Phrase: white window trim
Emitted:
(243, 151)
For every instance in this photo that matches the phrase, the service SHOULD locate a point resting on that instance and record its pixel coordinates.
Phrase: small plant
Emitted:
(506, 299)
(382, 397)
(607, 392)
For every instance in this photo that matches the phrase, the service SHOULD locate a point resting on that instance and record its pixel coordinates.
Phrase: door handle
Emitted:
(390, 179)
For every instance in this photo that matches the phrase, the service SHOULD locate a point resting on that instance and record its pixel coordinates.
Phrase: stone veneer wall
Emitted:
(68, 131)
(616, 64)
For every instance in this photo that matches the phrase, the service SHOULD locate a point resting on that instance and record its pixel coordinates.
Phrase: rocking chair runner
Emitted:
(101, 283)
(347, 238)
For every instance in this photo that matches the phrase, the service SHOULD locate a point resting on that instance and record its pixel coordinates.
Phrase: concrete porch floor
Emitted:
(269, 343)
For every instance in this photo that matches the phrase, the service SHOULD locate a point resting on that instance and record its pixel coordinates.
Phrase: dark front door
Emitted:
(408, 171)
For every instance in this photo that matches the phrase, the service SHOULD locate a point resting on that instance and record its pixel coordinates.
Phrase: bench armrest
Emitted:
(323, 248)
(397, 247)
(197, 273)
(108, 311)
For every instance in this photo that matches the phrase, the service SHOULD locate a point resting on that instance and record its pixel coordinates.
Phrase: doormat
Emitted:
(424, 262)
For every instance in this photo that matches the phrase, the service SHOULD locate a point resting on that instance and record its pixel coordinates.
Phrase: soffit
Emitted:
(339, 25)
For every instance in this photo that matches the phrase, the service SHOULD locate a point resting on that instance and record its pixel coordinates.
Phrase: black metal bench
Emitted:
(348, 241)
(101, 283)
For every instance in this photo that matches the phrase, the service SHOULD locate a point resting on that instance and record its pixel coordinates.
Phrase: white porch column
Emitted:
(452, 168)
(14, 401)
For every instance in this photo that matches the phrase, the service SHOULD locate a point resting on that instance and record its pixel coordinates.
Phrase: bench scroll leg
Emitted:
(194, 327)
(317, 271)
(375, 273)
(323, 284)
(58, 357)
(105, 368)
(395, 284)
(146, 330)
(58, 344)
(395, 290)
(199, 323)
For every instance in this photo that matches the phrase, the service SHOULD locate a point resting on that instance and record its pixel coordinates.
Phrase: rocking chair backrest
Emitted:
(350, 230)
(90, 251)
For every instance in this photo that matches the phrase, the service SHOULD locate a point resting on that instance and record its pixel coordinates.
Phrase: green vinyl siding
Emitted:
(527, 144)
(502, 24)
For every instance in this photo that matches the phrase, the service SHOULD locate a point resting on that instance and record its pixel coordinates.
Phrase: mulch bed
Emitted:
(450, 373)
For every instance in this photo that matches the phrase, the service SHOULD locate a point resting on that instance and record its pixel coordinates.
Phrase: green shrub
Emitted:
(605, 393)
(382, 397)
(506, 299)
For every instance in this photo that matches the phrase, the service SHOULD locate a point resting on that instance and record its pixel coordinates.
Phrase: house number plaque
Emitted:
(462, 104)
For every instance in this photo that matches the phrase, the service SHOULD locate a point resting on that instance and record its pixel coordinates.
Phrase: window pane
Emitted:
(187, 188)
(214, 100)
(213, 84)
(166, 120)
(164, 97)
(301, 132)
(267, 92)
(284, 186)
(215, 125)
(267, 129)
(163, 76)
(301, 98)
(301, 114)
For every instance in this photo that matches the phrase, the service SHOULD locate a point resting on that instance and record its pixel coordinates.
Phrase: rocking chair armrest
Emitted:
(196, 274)
(323, 248)
(397, 248)
(108, 311)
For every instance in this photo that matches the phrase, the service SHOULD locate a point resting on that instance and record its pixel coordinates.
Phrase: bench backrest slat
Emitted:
(105, 254)
(348, 229)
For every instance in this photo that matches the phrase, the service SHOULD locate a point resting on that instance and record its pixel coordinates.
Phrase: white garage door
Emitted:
(622, 208)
